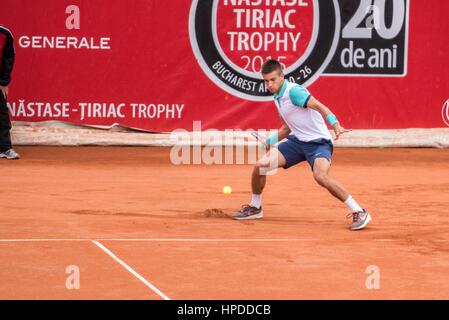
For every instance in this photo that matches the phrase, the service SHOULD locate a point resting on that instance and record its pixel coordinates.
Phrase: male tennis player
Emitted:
(311, 141)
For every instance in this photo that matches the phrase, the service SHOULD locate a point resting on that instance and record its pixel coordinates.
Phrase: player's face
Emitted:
(273, 81)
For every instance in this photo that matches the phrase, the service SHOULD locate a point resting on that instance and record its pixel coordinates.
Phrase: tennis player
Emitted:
(310, 141)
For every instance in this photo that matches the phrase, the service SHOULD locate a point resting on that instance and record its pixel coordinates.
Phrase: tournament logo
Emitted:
(232, 38)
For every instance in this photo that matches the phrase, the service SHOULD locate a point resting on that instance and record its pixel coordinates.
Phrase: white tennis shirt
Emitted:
(306, 124)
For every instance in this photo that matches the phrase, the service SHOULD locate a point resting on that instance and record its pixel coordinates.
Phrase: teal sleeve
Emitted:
(299, 96)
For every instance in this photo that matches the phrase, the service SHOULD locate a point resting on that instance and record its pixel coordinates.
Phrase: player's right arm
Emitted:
(283, 131)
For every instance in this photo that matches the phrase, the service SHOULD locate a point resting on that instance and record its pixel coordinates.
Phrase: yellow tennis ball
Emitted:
(227, 190)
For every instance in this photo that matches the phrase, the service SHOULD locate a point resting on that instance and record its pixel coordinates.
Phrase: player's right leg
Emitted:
(272, 160)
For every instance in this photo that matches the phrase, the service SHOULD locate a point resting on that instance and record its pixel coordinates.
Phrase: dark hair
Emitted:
(270, 66)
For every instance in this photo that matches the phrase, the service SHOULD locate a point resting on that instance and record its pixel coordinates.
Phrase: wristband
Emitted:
(272, 139)
(331, 119)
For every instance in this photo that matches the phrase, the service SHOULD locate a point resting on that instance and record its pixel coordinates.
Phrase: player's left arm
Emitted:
(327, 114)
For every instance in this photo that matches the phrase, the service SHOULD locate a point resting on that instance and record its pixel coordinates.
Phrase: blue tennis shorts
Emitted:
(296, 151)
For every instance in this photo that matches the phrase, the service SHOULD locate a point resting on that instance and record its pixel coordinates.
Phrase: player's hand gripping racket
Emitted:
(261, 139)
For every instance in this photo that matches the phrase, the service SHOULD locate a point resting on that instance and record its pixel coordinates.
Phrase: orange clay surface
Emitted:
(169, 224)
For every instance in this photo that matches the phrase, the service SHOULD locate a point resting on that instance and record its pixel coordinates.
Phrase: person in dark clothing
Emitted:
(7, 54)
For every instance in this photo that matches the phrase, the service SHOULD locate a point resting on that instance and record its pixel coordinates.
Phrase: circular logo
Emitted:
(445, 113)
(232, 38)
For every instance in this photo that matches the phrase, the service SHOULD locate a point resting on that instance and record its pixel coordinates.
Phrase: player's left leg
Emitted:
(321, 167)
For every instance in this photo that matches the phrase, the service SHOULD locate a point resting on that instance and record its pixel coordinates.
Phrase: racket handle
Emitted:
(260, 138)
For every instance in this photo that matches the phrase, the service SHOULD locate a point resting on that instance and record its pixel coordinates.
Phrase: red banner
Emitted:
(160, 65)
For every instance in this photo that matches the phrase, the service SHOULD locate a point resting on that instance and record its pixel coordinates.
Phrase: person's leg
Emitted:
(5, 126)
(321, 169)
(319, 155)
(272, 160)
(286, 155)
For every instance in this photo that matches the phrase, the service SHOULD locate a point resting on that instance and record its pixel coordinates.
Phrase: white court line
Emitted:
(249, 240)
(131, 270)
(41, 240)
(205, 239)
(165, 239)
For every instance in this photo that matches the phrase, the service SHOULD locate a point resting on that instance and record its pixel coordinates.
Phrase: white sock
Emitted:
(352, 205)
(256, 200)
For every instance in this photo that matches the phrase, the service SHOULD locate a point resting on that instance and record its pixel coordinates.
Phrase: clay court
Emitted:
(139, 227)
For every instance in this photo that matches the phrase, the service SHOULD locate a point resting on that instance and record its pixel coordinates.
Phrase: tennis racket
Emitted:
(260, 138)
